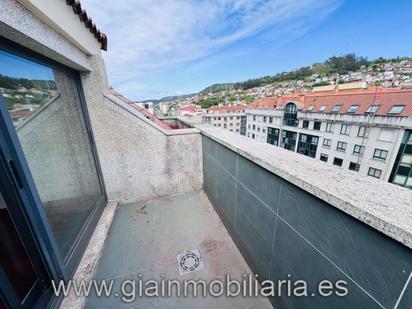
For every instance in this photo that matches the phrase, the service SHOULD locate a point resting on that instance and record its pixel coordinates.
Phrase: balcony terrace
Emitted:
(242, 205)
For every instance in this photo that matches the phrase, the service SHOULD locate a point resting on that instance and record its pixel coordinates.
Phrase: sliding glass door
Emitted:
(46, 120)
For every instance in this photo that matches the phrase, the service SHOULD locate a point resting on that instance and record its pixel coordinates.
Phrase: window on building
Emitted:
(288, 140)
(358, 150)
(305, 124)
(264, 118)
(396, 109)
(327, 142)
(308, 145)
(290, 116)
(345, 129)
(324, 157)
(337, 161)
(273, 136)
(225, 125)
(341, 146)
(373, 108)
(310, 108)
(254, 118)
(225, 119)
(45, 107)
(353, 166)
(258, 129)
(363, 131)
(380, 154)
(231, 118)
(322, 108)
(253, 135)
(374, 172)
(248, 126)
(329, 127)
(270, 119)
(218, 118)
(316, 125)
(336, 108)
(353, 108)
(402, 170)
(254, 127)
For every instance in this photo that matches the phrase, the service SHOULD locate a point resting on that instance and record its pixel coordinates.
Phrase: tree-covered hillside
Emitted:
(341, 65)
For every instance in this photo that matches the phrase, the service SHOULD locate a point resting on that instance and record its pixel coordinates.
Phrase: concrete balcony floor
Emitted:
(146, 238)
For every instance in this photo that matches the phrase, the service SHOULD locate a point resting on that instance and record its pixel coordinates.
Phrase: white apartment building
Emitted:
(232, 118)
(367, 131)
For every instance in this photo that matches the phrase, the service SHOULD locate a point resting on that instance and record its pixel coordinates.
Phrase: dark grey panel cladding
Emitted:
(286, 233)
(370, 258)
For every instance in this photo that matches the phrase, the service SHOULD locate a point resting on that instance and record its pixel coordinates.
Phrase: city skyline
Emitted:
(180, 56)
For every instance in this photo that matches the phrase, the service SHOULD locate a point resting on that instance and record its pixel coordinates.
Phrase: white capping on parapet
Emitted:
(86, 269)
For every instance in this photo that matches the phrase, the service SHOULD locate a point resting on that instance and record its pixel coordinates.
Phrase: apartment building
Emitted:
(363, 130)
(232, 118)
(192, 111)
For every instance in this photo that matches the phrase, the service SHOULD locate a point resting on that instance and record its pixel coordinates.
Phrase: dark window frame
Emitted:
(64, 269)
(324, 157)
(359, 152)
(372, 106)
(341, 146)
(336, 160)
(305, 124)
(353, 108)
(329, 127)
(328, 143)
(336, 108)
(317, 125)
(374, 171)
(390, 112)
(378, 154)
(354, 166)
(347, 129)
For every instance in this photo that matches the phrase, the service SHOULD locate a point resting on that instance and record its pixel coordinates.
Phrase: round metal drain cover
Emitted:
(189, 262)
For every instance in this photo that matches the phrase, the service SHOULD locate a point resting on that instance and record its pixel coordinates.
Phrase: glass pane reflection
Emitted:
(45, 108)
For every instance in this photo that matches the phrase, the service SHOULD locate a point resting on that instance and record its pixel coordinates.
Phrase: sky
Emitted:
(172, 47)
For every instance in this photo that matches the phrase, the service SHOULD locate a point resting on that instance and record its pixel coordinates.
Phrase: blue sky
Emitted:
(169, 47)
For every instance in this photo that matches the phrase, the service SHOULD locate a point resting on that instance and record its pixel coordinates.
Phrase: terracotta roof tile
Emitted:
(78, 10)
(386, 98)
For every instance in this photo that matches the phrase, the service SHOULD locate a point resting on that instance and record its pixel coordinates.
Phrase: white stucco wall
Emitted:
(138, 160)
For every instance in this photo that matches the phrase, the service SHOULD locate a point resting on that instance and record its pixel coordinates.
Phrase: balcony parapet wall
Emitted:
(294, 218)
(383, 206)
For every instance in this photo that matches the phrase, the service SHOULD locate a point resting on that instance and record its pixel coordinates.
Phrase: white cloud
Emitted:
(148, 35)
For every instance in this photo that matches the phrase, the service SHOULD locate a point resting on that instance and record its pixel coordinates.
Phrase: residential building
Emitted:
(193, 111)
(231, 118)
(364, 130)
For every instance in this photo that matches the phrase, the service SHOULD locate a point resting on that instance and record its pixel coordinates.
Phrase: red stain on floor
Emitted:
(162, 261)
(212, 246)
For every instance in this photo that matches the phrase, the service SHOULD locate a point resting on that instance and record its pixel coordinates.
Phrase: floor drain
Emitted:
(189, 261)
